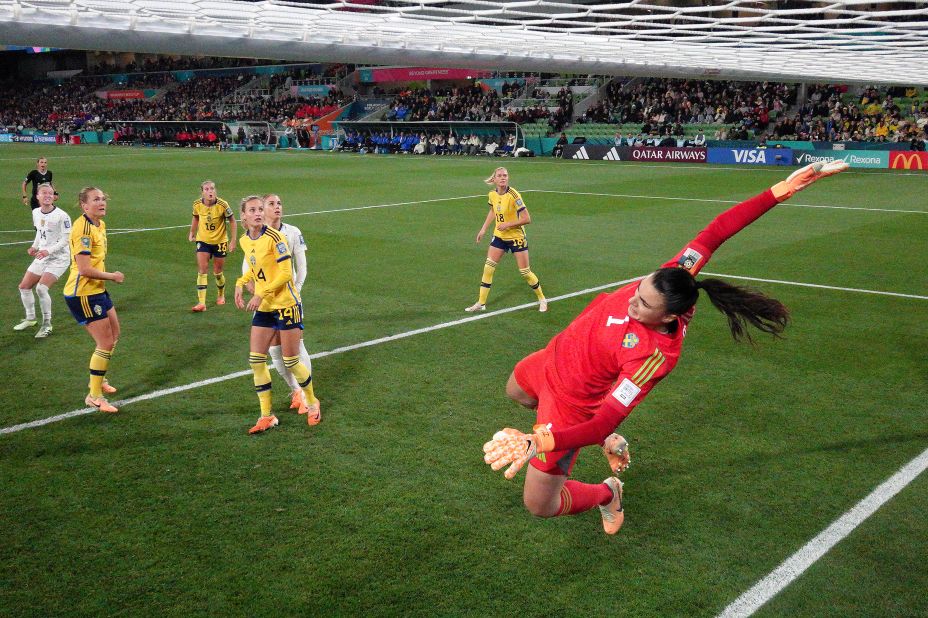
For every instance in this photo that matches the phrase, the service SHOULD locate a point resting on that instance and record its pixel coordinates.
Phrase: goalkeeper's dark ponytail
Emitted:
(741, 305)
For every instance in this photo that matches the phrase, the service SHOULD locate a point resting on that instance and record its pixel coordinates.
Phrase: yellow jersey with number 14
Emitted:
(506, 208)
(211, 228)
(86, 239)
(270, 267)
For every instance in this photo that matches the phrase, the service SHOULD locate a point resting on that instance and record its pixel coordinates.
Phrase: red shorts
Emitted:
(530, 375)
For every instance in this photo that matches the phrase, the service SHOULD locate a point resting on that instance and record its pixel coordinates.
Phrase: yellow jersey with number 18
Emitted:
(86, 239)
(506, 208)
(211, 228)
(270, 267)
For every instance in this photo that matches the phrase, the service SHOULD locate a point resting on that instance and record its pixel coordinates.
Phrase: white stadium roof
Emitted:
(848, 41)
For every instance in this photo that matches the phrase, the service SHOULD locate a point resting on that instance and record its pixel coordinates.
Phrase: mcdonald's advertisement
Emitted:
(908, 160)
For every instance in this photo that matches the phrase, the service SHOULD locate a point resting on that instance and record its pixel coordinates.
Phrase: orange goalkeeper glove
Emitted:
(805, 176)
(514, 448)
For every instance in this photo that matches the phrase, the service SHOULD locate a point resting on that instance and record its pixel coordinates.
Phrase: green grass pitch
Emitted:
(739, 458)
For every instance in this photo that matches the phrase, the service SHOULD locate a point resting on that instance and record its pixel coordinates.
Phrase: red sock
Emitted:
(577, 497)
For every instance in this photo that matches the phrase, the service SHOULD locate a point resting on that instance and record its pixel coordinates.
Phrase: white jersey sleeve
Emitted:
(298, 251)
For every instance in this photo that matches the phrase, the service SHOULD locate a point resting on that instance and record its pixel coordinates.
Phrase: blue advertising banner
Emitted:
(875, 159)
(44, 139)
(6, 138)
(317, 90)
(23, 138)
(751, 156)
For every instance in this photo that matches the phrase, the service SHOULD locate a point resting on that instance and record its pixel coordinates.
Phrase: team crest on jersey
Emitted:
(85, 240)
(630, 341)
(281, 248)
(252, 259)
(690, 259)
(97, 309)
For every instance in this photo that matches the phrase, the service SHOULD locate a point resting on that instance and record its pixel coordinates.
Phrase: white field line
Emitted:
(348, 348)
(88, 156)
(467, 197)
(798, 563)
(696, 199)
(816, 285)
(288, 216)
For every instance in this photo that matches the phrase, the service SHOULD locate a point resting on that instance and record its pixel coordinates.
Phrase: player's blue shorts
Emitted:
(509, 245)
(217, 251)
(280, 319)
(87, 309)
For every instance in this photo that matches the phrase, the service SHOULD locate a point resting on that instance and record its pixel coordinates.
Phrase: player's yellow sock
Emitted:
(201, 288)
(258, 364)
(99, 361)
(220, 285)
(303, 377)
(488, 271)
(532, 281)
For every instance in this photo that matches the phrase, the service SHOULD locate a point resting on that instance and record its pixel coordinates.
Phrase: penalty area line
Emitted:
(799, 562)
(357, 346)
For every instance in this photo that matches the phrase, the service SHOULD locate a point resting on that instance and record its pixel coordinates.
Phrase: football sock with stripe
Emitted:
(532, 281)
(201, 288)
(302, 375)
(277, 360)
(99, 362)
(488, 271)
(28, 303)
(262, 377)
(220, 284)
(45, 303)
(577, 497)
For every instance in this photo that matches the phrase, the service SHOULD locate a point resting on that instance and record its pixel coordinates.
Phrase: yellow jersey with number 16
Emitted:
(270, 267)
(211, 228)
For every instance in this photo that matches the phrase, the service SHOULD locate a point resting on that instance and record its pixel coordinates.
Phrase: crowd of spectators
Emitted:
(662, 104)
(427, 143)
(460, 103)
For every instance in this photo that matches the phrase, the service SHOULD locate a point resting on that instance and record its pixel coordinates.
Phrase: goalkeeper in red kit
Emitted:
(588, 379)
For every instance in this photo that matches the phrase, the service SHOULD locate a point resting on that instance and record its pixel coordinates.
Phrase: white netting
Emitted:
(845, 41)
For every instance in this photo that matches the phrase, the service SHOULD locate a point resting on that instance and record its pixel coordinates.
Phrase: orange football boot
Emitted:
(264, 423)
(296, 401)
(108, 389)
(100, 404)
(197, 308)
(313, 413)
(613, 517)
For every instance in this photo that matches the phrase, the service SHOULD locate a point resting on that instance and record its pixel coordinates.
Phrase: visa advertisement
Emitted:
(874, 159)
(751, 156)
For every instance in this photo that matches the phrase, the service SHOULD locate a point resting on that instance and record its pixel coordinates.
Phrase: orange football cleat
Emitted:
(221, 300)
(313, 413)
(100, 404)
(613, 517)
(197, 308)
(296, 401)
(264, 423)
(108, 389)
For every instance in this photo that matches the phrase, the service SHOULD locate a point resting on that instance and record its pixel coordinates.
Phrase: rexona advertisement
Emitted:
(751, 156)
(878, 159)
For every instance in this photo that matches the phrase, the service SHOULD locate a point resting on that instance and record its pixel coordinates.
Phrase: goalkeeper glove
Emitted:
(805, 176)
(512, 447)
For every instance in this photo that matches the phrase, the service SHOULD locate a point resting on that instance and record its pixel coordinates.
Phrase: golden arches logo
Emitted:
(907, 161)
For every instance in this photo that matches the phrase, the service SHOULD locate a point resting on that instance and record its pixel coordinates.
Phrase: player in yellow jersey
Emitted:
(510, 216)
(85, 292)
(212, 223)
(277, 309)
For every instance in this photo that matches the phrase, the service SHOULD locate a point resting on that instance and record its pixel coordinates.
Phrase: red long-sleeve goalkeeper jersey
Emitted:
(605, 362)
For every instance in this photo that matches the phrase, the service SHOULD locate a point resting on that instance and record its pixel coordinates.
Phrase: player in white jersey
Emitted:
(273, 214)
(52, 254)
